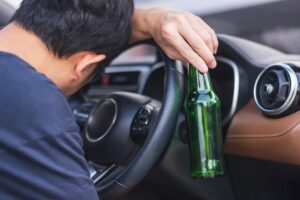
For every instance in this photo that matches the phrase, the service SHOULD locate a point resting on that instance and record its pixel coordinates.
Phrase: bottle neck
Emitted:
(199, 82)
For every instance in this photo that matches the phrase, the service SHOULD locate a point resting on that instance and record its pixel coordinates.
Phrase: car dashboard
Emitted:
(148, 79)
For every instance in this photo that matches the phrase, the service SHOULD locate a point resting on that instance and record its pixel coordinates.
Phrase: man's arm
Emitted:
(182, 35)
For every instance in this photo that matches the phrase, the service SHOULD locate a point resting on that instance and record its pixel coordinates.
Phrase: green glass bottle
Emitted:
(204, 127)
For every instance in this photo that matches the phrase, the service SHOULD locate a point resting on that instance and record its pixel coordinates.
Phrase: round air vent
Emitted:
(276, 89)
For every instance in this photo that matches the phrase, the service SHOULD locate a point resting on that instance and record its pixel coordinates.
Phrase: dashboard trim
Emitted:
(236, 84)
(143, 69)
(157, 66)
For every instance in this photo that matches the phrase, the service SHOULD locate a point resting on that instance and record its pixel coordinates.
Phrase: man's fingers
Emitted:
(189, 54)
(194, 33)
(201, 43)
(198, 46)
(211, 32)
(190, 28)
(203, 32)
(185, 37)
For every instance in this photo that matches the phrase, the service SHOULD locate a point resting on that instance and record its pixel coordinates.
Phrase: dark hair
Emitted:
(70, 26)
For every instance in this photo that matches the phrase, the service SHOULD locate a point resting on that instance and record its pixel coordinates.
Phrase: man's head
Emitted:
(79, 32)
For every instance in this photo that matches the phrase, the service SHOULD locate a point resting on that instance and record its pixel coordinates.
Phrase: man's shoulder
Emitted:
(30, 97)
(40, 143)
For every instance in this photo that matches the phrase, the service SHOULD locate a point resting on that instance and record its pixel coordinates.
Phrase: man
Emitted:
(49, 50)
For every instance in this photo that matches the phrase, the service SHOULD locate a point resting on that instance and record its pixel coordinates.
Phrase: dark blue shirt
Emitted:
(41, 155)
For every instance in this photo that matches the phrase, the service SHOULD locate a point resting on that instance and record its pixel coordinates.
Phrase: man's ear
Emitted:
(85, 62)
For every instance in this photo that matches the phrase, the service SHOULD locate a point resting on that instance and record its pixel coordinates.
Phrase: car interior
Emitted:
(133, 124)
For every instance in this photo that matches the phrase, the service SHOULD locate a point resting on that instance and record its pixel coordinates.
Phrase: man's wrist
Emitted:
(140, 25)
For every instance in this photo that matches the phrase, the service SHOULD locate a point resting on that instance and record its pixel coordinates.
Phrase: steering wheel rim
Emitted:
(160, 134)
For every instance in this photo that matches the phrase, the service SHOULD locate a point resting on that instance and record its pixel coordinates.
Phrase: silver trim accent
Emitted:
(92, 171)
(292, 94)
(157, 66)
(110, 126)
(120, 184)
(102, 175)
(236, 87)
(79, 114)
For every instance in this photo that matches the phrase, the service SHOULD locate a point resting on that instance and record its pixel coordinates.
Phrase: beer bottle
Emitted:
(204, 127)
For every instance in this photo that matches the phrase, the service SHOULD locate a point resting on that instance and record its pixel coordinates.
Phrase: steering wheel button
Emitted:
(141, 111)
(141, 121)
(144, 121)
(139, 117)
(140, 125)
(145, 116)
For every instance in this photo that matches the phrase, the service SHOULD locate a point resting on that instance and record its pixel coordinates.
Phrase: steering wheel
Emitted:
(128, 133)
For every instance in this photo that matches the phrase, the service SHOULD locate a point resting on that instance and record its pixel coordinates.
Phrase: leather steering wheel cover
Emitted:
(160, 133)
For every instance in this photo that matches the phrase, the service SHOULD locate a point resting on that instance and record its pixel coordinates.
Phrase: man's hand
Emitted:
(182, 35)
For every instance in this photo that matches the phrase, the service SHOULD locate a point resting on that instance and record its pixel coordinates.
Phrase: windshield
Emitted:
(200, 7)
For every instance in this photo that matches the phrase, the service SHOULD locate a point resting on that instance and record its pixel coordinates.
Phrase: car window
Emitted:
(196, 6)
(202, 6)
